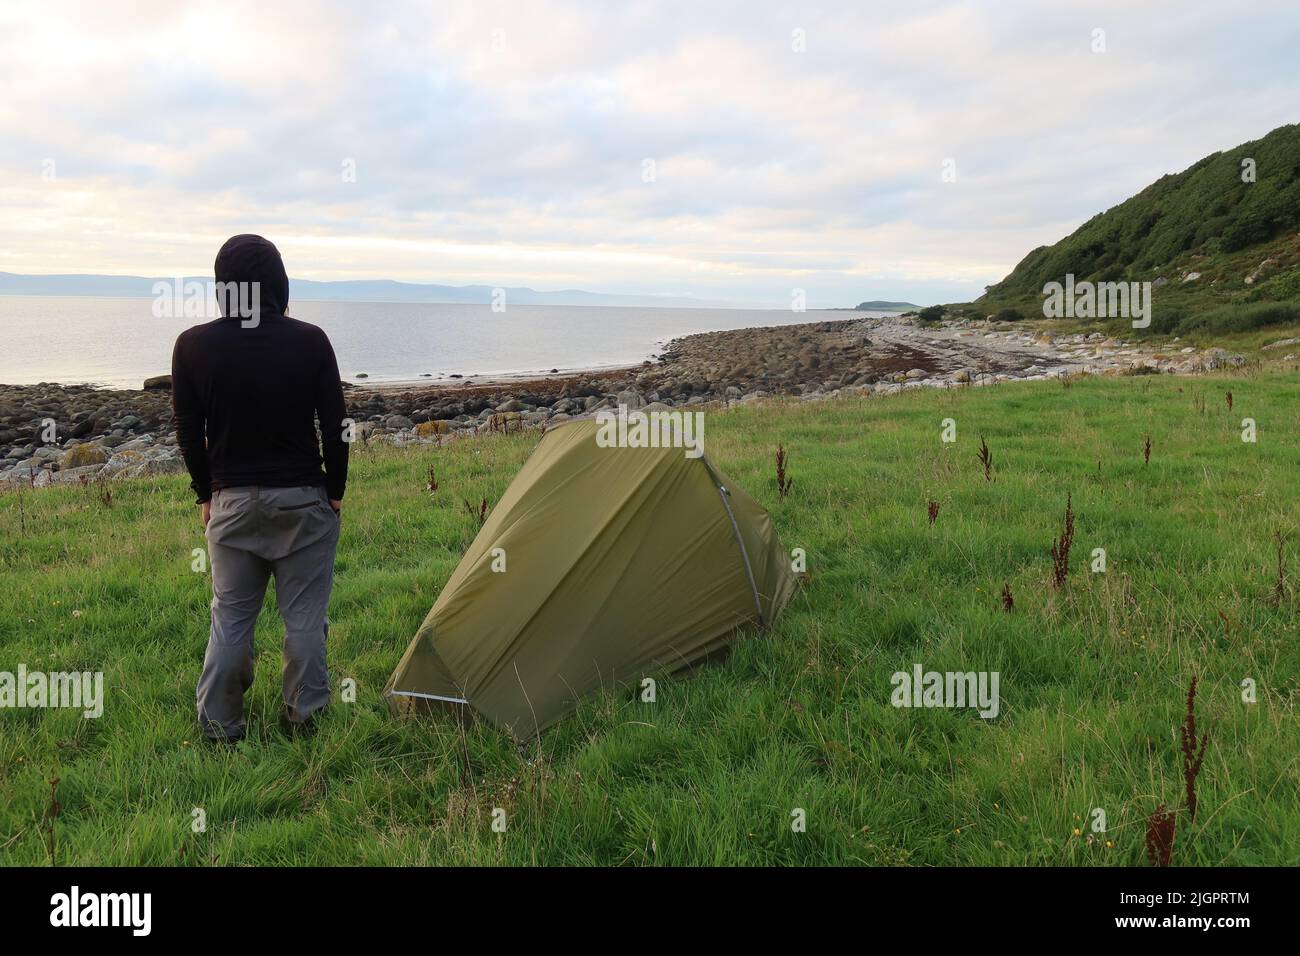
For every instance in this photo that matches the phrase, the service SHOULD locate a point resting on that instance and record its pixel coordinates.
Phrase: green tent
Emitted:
(598, 566)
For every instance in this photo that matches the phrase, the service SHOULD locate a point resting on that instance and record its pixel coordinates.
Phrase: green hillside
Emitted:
(883, 305)
(1223, 252)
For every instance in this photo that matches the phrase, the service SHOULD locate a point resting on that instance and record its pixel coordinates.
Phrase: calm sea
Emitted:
(119, 343)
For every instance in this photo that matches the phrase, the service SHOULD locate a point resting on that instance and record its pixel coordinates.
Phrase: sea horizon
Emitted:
(117, 341)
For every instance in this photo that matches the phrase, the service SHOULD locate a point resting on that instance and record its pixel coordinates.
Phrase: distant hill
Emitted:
(878, 305)
(357, 290)
(1208, 239)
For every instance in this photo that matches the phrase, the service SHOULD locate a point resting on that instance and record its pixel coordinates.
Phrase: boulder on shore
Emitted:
(79, 456)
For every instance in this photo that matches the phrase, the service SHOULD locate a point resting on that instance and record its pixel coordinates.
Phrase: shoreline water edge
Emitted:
(53, 434)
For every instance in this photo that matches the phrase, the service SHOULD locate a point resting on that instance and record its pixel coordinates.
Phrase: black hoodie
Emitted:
(252, 386)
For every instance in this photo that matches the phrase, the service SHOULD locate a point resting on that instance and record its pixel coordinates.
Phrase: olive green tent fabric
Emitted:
(618, 562)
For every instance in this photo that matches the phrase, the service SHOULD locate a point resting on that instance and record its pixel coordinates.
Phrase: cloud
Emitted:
(790, 146)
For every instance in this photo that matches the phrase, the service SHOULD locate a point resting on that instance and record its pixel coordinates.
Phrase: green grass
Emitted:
(1093, 676)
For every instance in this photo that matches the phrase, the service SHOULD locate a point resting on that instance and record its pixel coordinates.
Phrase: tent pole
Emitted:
(744, 553)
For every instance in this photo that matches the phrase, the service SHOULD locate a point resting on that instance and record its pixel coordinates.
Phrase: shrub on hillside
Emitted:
(1240, 318)
(931, 314)
(1164, 319)
(1284, 285)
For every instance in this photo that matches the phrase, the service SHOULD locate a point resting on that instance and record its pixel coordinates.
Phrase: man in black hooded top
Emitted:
(246, 391)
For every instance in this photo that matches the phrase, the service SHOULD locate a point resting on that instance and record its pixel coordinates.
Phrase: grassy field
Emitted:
(1093, 675)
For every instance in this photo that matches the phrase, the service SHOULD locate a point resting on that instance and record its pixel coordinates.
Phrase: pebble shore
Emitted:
(54, 434)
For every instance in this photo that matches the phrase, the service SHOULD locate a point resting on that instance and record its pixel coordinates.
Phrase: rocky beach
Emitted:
(54, 434)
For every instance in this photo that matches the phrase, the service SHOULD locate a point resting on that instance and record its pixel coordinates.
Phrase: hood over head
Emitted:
(248, 259)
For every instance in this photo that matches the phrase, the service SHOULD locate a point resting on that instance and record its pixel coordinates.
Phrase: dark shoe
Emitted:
(223, 741)
(298, 729)
(214, 735)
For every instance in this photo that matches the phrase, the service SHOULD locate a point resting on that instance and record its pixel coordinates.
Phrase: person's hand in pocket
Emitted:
(207, 512)
(337, 506)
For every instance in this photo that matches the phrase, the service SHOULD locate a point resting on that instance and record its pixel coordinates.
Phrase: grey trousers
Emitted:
(255, 533)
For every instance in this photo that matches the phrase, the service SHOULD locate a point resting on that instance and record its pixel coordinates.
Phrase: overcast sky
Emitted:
(708, 149)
